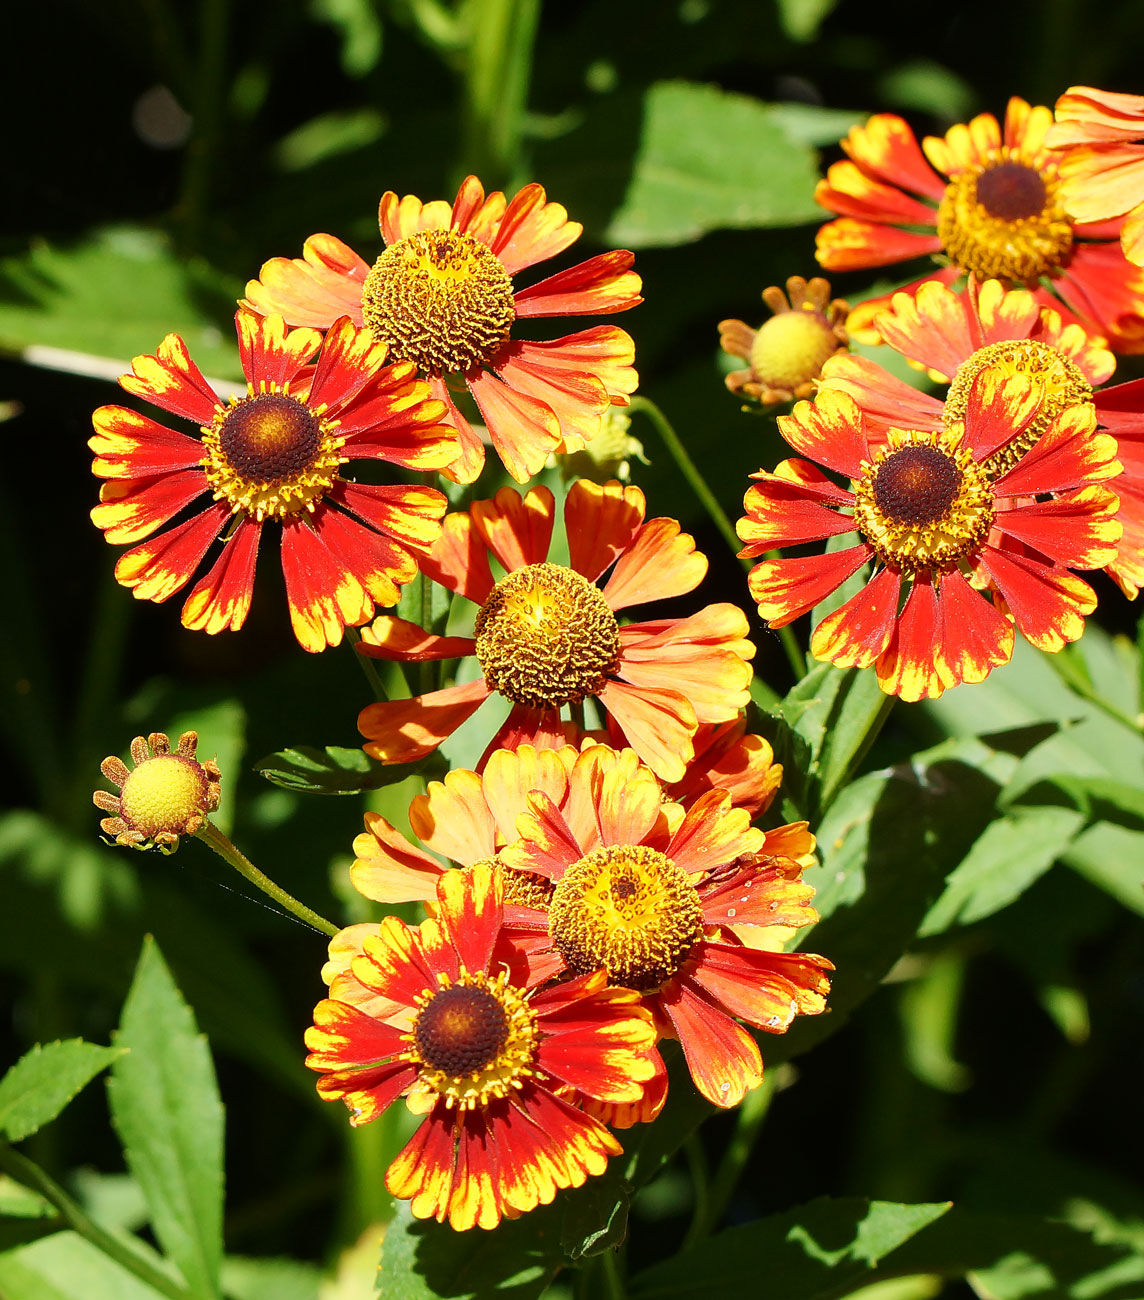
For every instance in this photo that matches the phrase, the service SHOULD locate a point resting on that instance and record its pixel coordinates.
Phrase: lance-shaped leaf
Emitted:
(44, 1080)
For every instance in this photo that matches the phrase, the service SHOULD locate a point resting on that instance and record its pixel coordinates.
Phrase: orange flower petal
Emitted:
(517, 530)
(130, 511)
(783, 589)
(1048, 604)
(658, 723)
(172, 381)
(453, 819)
(399, 731)
(389, 869)
(856, 633)
(388, 637)
(325, 283)
(603, 284)
(661, 562)
(532, 230)
(601, 521)
(722, 1057)
(908, 667)
(157, 568)
(523, 430)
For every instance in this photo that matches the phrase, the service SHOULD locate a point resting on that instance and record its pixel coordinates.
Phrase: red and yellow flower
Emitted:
(972, 553)
(275, 454)
(546, 635)
(785, 355)
(1100, 135)
(995, 211)
(954, 335)
(689, 906)
(442, 296)
(490, 1065)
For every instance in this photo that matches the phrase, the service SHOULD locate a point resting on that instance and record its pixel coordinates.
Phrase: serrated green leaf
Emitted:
(824, 1248)
(708, 160)
(166, 1109)
(64, 1267)
(1109, 857)
(332, 770)
(44, 1080)
(1009, 856)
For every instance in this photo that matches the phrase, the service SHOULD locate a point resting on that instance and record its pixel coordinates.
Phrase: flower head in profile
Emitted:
(273, 457)
(785, 355)
(956, 335)
(490, 1065)
(443, 296)
(546, 635)
(165, 795)
(1099, 136)
(993, 208)
(689, 906)
(971, 553)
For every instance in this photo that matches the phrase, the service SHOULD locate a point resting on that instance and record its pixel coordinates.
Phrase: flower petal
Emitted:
(1048, 603)
(601, 521)
(389, 869)
(323, 593)
(517, 530)
(722, 1057)
(532, 230)
(453, 819)
(157, 568)
(658, 724)
(601, 285)
(130, 511)
(661, 562)
(523, 430)
(271, 355)
(399, 731)
(325, 283)
(221, 600)
(856, 633)
(172, 381)
(786, 588)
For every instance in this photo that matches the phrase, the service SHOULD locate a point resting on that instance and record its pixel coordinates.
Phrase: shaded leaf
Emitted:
(823, 1248)
(166, 1109)
(333, 770)
(707, 160)
(63, 1267)
(44, 1080)
(1110, 857)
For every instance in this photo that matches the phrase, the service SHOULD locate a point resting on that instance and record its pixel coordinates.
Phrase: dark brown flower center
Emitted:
(916, 485)
(270, 437)
(1011, 191)
(461, 1030)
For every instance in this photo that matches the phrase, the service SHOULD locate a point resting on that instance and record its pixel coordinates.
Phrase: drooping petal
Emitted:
(908, 666)
(162, 565)
(459, 559)
(325, 283)
(785, 588)
(523, 430)
(130, 511)
(856, 633)
(603, 284)
(388, 637)
(661, 562)
(389, 869)
(471, 456)
(974, 637)
(658, 723)
(221, 600)
(1048, 604)
(399, 731)
(722, 1057)
(1078, 529)
(323, 593)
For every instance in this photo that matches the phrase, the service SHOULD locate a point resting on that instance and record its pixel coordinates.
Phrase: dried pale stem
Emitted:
(213, 837)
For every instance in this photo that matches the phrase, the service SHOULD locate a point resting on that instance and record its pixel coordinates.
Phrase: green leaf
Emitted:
(270, 1279)
(333, 770)
(422, 1259)
(801, 19)
(1009, 856)
(24, 1215)
(1109, 857)
(824, 1248)
(707, 160)
(166, 1109)
(64, 1267)
(43, 1081)
(114, 295)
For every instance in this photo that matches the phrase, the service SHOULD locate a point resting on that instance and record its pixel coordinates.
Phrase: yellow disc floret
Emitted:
(163, 796)
(441, 299)
(924, 502)
(1059, 380)
(269, 455)
(1005, 220)
(474, 1039)
(628, 909)
(546, 637)
(790, 349)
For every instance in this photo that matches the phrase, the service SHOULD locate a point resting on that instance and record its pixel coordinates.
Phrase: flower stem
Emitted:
(718, 515)
(353, 639)
(497, 72)
(212, 836)
(30, 1174)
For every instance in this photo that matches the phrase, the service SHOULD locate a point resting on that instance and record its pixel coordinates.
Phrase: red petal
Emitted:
(323, 593)
(271, 356)
(723, 1058)
(158, 568)
(601, 285)
(1047, 603)
(786, 588)
(830, 431)
(855, 634)
(221, 600)
(173, 382)
(130, 511)
(908, 667)
(974, 636)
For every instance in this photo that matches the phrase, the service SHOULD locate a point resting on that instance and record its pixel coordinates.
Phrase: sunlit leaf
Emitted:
(44, 1080)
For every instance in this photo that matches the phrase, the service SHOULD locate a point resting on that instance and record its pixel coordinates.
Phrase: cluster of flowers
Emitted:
(593, 889)
(972, 509)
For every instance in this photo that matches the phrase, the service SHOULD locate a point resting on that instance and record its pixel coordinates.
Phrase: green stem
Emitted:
(748, 1126)
(1079, 686)
(497, 73)
(212, 836)
(353, 639)
(210, 97)
(701, 1185)
(613, 1279)
(717, 514)
(30, 1174)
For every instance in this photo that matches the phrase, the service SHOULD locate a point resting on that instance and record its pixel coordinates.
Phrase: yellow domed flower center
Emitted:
(1060, 380)
(629, 909)
(546, 637)
(441, 299)
(791, 348)
(270, 455)
(165, 794)
(1005, 220)
(473, 1039)
(924, 502)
